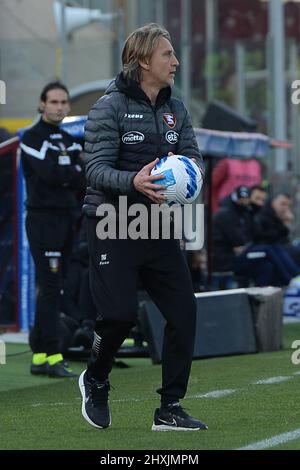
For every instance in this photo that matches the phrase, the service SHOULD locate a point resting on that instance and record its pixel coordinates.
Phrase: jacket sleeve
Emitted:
(102, 147)
(187, 144)
(227, 230)
(38, 154)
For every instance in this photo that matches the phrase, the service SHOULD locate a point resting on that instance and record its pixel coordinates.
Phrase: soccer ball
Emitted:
(183, 179)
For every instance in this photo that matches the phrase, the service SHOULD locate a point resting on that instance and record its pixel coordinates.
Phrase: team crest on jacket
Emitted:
(169, 119)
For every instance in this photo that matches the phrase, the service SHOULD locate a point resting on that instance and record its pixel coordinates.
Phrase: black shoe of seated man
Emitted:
(172, 417)
(95, 407)
(41, 369)
(60, 370)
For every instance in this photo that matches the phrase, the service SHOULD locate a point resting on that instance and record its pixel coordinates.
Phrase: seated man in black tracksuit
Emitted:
(231, 229)
(53, 171)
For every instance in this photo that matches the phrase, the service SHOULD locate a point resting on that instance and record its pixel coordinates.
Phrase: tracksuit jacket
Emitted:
(124, 132)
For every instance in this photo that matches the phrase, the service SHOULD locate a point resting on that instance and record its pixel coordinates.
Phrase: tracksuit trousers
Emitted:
(50, 235)
(115, 266)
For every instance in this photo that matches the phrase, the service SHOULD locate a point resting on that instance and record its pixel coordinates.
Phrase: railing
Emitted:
(10, 147)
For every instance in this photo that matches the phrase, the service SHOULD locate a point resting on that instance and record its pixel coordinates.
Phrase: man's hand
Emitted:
(143, 182)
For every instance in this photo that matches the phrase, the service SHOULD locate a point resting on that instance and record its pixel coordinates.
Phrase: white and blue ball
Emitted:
(182, 178)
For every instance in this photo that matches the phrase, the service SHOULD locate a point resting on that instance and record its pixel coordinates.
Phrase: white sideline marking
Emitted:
(273, 380)
(49, 404)
(273, 441)
(122, 400)
(214, 394)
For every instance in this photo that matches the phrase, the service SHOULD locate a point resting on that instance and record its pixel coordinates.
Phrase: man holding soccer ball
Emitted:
(128, 131)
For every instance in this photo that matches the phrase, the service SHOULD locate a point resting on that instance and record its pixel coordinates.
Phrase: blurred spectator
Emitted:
(258, 196)
(266, 260)
(231, 229)
(272, 221)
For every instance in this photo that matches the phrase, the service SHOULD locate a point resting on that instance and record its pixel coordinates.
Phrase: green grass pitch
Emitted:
(43, 413)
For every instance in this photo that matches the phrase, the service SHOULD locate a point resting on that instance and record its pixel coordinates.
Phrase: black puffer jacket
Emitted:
(231, 228)
(124, 132)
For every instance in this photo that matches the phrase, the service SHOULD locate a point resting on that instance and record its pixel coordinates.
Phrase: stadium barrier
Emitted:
(237, 321)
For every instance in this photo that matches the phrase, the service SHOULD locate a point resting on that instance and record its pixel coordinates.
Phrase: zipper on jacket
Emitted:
(157, 132)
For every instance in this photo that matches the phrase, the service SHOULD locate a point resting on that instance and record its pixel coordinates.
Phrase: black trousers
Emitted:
(115, 266)
(50, 237)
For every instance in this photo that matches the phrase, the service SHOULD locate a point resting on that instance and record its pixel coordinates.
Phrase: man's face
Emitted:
(258, 197)
(56, 107)
(162, 65)
(281, 205)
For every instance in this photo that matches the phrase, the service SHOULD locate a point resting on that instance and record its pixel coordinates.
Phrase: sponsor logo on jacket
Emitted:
(172, 137)
(133, 137)
(133, 116)
(104, 260)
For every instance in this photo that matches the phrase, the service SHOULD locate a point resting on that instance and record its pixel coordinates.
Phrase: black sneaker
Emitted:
(174, 418)
(60, 369)
(95, 401)
(41, 369)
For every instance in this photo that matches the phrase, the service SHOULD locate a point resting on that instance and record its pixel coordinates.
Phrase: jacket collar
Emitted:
(132, 89)
(48, 126)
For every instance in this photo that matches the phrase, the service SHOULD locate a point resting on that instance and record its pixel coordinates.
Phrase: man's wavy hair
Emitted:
(139, 46)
